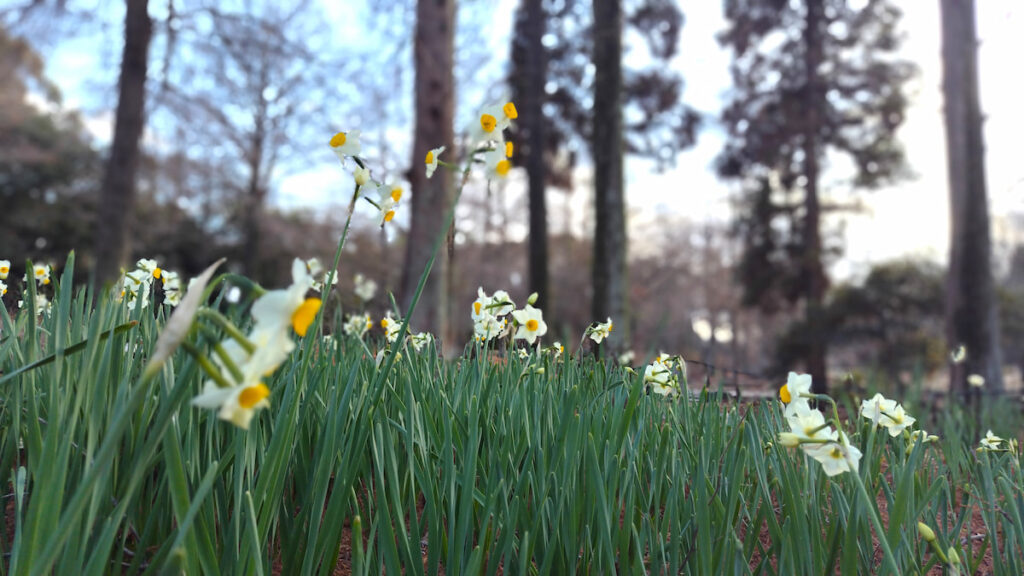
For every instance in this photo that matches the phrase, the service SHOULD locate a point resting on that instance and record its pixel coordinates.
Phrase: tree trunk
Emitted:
(256, 192)
(534, 134)
(814, 269)
(609, 265)
(117, 197)
(433, 55)
(971, 318)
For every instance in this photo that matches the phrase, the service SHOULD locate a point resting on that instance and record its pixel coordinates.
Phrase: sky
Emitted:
(909, 219)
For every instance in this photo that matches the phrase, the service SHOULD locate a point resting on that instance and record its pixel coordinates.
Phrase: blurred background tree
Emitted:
(813, 81)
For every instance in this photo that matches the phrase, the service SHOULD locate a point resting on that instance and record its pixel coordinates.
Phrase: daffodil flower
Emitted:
(41, 272)
(497, 164)
(391, 327)
(810, 426)
(418, 341)
(488, 327)
(237, 404)
(279, 310)
(600, 331)
(497, 305)
(557, 350)
(494, 119)
(875, 408)
(431, 160)
(3, 289)
(5, 269)
(959, 354)
(626, 358)
(991, 441)
(388, 197)
(150, 267)
(976, 380)
(42, 304)
(357, 325)
(836, 457)
(365, 288)
(531, 324)
(661, 379)
(792, 393)
(172, 288)
(896, 420)
(345, 144)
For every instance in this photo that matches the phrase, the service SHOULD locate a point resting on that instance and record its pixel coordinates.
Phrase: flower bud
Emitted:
(954, 558)
(789, 440)
(927, 533)
(532, 299)
(362, 175)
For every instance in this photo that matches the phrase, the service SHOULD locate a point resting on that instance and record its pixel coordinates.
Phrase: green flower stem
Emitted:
(229, 327)
(206, 365)
(876, 521)
(228, 363)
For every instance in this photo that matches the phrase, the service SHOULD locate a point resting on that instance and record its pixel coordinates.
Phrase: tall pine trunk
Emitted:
(433, 55)
(609, 265)
(812, 260)
(971, 317)
(533, 125)
(117, 197)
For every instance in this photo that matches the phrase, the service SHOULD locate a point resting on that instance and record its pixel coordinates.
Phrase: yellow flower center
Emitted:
(157, 272)
(46, 281)
(396, 194)
(488, 122)
(40, 271)
(508, 149)
(532, 325)
(384, 323)
(338, 140)
(784, 394)
(502, 167)
(369, 324)
(611, 326)
(477, 306)
(836, 453)
(253, 395)
(4, 269)
(304, 315)
(510, 110)
(430, 157)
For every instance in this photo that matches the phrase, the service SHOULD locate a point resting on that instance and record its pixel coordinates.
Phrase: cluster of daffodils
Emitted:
(136, 284)
(811, 431)
(496, 316)
(242, 361)
(357, 325)
(382, 195)
(5, 270)
(662, 375)
(41, 274)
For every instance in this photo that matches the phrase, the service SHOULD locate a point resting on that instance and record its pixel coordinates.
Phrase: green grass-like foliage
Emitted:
(466, 466)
